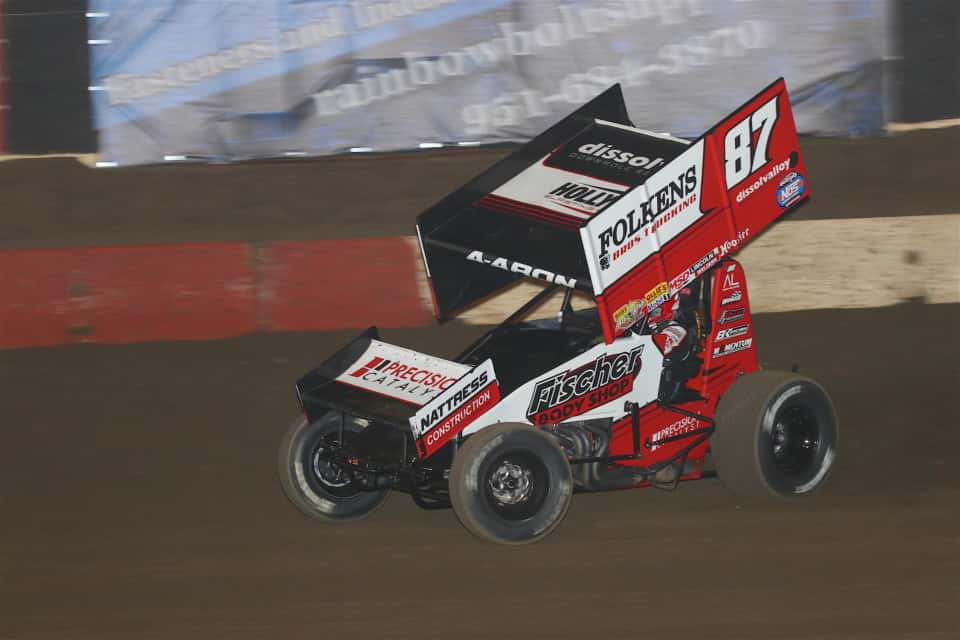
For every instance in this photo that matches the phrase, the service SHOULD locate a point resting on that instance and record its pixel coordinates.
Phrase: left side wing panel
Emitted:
(702, 206)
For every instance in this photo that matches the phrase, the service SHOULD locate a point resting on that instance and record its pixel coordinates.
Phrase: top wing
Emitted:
(631, 216)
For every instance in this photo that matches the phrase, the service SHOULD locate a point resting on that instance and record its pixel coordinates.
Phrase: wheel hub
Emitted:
(327, 472)
(779, 439)
(795, 439)
(511, 483)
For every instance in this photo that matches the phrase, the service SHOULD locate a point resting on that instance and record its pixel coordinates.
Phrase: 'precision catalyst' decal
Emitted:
(401, 373)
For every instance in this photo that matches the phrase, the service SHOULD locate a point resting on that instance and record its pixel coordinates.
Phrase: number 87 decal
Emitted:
(742, 157)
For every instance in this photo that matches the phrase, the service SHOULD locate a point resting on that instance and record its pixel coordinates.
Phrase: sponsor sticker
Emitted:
(657, 295)
(602, 153)
(732, 347)
(791, 189)
(736, 296)
(731, 245)
(682, 426)
(450, 412)
(730, 282)
(681, 280)
(400, 373)
(703, 264)
(627, 315)
(732, 332)
(576, 391)
(732, 315)
(584, 197)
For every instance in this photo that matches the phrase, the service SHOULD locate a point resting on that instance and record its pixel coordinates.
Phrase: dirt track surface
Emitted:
(58, 202)
(139, 500)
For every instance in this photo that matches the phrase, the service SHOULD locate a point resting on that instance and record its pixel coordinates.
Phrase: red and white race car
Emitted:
(655, 378)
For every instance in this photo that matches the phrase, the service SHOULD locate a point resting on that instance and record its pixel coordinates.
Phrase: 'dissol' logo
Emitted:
(608, 152)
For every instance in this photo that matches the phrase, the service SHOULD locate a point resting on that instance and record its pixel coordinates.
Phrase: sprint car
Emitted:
(646, 375)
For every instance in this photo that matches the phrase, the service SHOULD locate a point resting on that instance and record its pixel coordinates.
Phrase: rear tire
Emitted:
(315, 486)
(510, 484)
(777, 435)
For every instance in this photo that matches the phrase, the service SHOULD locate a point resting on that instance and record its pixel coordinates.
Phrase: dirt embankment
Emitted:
(58, 202)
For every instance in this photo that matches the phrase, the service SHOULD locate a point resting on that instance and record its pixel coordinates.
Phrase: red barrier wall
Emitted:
(206, 291)
(334, 284)
(125, 294)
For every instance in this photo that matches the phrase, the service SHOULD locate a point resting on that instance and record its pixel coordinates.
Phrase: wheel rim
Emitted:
(326, 475)
(795, 440)
(515, 485)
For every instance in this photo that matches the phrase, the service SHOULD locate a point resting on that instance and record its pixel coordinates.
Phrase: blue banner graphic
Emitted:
(225, 80)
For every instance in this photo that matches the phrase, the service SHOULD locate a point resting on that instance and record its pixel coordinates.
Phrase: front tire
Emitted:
(510, 484)
(777, 435)
(315, 485)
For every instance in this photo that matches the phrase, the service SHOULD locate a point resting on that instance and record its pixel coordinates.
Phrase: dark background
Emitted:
(47, 77)
(928, 78)
(48, 70)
